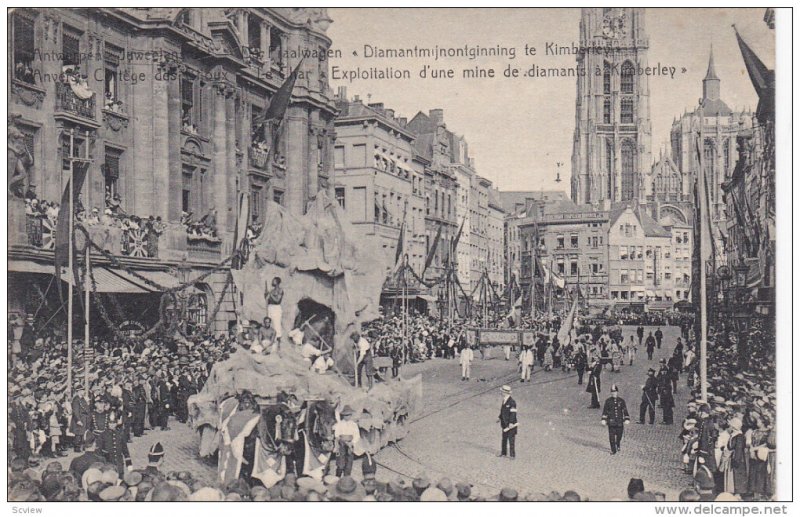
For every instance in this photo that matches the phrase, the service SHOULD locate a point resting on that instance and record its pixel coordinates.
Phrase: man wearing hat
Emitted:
(649, 397)
(615, 417)
(508, 423)
(347, 434)
(593, 385)
(650, 345)
(139, 406)
(664, 380)
(81, 412)
(81, 464)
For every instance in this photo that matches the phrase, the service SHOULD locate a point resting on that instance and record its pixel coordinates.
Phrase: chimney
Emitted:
(342, 93)
(389, 113)
(437, 115)
(356, 98)
(377, 106)
(403, 121)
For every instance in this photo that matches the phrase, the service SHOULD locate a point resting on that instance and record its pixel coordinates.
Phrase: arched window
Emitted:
(607, 110)
(626, 111)
(709, 166)
(610, 169)
(606, 78)
(628, 158)
(627, 76)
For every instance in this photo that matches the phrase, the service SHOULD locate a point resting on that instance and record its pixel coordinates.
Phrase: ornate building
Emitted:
(159, 104)
(611, 145)
(719, 126)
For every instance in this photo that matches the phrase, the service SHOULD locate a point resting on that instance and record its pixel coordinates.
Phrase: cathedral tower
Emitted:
(611, 146)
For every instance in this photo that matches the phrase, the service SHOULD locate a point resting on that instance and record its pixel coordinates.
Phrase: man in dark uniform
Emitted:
(154, 459)
(659, 337)
(580, 364)
(593, 385)
(508, 423)
(664, 380)
(81, 413)
(649, 397)
(650, 345)
(640, 334)
(114, 445)
(615, 416)
(163, 402)
(99, 419)
(674, 365)
(127, 409)
(139, 406)
(186, 388)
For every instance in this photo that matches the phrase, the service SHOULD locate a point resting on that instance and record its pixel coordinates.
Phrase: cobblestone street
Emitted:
(561, 444)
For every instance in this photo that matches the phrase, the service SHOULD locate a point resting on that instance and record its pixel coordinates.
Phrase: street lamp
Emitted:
(741, 312)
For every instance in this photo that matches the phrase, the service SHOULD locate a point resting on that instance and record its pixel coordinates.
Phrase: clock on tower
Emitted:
(614, 23)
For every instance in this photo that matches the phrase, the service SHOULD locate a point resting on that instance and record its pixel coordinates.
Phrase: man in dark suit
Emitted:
(615, 416)
(593, 385)
(640, 334)
(508, 423)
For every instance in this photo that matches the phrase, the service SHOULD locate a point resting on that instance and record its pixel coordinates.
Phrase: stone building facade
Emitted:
(378, 181)
(162, 101)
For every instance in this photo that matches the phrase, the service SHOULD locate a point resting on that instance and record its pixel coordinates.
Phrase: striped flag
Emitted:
(432, 251)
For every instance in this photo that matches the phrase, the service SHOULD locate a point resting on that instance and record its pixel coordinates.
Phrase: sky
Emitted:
(518, 129)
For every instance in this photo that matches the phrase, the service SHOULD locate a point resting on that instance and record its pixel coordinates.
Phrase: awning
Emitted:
(29, 266)
(161, 278)
(113, 281)
(428, 298)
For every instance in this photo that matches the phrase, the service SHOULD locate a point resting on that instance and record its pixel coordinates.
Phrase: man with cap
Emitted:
(113, 444)
(347, 434)
(664, 380)
(615, 417)
(508, 423)
(659, 336)
(649, 397)
(154, 459)
(139, 406)
(466, 358)
(81, 412)
(650, 345)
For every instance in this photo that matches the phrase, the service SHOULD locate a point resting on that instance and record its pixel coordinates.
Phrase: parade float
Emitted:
(331, 283)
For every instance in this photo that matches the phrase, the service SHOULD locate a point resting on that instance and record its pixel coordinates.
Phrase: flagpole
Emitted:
(86, 306)
(703, 254)
(71, 208)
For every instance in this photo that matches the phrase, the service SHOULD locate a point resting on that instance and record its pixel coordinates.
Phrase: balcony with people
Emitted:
(73, 95)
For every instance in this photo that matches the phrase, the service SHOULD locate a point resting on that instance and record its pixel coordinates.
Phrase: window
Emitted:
(627, 74)
(560, 242)
(111, 171)
(639, 275)
(623, 276)
(277, 196)
(256, 126)
(186, 190)
(276, 48)
(111, 57)
(23, 38)
(614, 295)
(254, 36)
(256, 200)
(623, 253)
(70, 47)
(626, 111)
(628, 170)
(624, 295)
(639, 250)
(610, 168)
(187, 102)
(560, 265)
(185, 18)
(607, 110)
(78, 150)
(573, 240)
(339, 191)
(338, 156)
(607, 78)
(573, 267)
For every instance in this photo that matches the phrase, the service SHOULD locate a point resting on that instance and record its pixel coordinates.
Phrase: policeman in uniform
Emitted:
(508, 423)
(615, 416)
(649, 397)
(664, 380)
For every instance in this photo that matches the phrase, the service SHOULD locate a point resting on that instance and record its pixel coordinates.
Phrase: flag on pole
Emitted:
(706, 240)
(240, 242)
(61, 252)
(280, 101)
(400, 252)
(432, 251)
(515, 312)
(458, 234)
